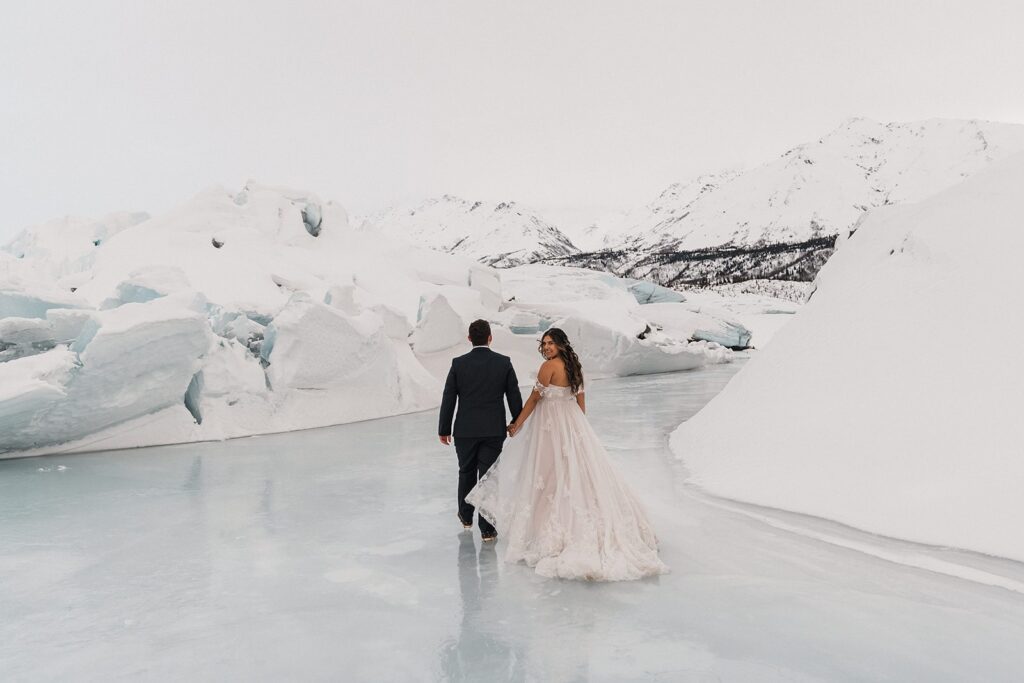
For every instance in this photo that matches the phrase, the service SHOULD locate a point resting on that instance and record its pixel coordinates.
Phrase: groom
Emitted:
(478, 380)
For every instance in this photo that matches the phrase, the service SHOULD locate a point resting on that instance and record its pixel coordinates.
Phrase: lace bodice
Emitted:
(555, 391)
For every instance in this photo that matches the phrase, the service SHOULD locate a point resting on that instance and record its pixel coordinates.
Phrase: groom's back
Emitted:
(481, 379)
(481, 375)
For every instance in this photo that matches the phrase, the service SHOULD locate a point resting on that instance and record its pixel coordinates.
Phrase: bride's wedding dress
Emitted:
(560, 505)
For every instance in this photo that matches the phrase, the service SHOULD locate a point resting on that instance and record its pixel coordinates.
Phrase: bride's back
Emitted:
(558, 376)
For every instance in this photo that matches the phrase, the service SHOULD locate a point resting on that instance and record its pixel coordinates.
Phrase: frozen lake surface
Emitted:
(334, 554)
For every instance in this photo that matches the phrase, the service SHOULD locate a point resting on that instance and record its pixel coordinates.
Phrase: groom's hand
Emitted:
(446, 440)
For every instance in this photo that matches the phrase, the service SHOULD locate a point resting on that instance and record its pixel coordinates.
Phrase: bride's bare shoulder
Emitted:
(548, 369)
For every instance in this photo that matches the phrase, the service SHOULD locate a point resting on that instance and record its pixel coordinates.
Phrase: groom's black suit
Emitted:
(481, 381)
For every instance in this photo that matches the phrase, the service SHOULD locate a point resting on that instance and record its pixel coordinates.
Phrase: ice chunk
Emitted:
(23, 303)
(68, 322)
(24, 337)
(650, 293)
(29, 387)
(758, 314)
(192, 397)
(487, 281)
(326, 367)
(147, 284)
(606, 351)
(25, 331)
(312, 218)
(527, 322)
(229, 370)
(315, 346)
(138, 359)
(343, 297)
(229, 395)
(682, 322)
(396, 325)
(438, 326)
(728, 334)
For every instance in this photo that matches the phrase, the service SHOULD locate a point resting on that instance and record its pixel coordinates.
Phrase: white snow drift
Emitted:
(888, 404)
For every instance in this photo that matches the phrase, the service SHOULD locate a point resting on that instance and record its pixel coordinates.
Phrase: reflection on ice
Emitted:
(478, 651)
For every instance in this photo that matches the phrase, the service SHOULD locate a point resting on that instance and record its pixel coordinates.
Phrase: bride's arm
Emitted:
(543, 377)
(581, 401)
(528, 407)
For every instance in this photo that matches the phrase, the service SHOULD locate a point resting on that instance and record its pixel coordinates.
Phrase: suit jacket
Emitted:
(481, 380)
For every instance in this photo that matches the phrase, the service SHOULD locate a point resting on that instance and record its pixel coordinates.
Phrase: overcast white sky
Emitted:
(598, 104)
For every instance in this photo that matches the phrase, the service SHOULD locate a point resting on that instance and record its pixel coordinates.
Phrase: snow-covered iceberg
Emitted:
(127, 362)
(887, 404)
(263, 311)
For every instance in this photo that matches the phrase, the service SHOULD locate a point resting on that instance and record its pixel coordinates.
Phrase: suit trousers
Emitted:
(476, 455)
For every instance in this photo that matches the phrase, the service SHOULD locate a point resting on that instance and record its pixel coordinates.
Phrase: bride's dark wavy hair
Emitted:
(568, 356)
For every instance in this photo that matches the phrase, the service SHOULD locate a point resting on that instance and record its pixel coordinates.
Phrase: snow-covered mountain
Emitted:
(659, 215)
(501, 234)
(780, 220)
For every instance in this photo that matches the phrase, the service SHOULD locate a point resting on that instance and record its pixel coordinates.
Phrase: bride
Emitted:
(554, 495)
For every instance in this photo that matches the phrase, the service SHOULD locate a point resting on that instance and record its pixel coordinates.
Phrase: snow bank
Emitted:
(884, 404)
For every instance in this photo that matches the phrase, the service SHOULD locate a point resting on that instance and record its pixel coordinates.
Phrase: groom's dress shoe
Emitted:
(465, 525)
(488, 539)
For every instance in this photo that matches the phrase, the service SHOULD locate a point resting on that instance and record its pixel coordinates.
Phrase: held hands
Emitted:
(512, 429)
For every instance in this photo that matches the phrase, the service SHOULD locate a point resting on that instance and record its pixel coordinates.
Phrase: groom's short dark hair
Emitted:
(479, 331)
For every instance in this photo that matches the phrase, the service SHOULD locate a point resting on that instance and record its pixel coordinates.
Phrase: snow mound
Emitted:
(878, 406)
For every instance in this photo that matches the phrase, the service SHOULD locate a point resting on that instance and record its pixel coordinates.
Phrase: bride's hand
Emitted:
(512, 429)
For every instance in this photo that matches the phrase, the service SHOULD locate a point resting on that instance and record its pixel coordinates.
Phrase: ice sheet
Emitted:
(335, 554)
